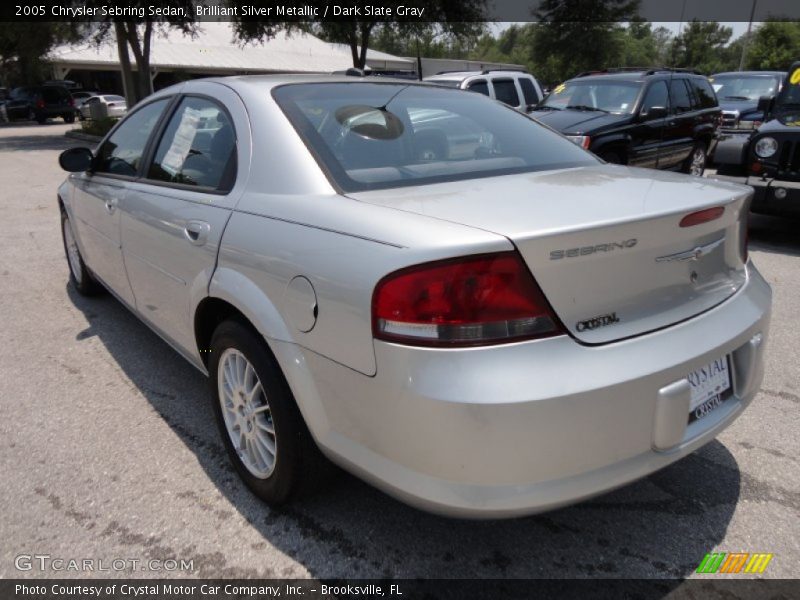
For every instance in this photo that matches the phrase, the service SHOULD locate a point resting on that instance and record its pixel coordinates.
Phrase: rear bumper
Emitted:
(521, 428)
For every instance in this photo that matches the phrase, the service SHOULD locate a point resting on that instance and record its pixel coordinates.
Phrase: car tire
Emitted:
(695, 164)
(252, 402)
(69, 118)
(80, 276)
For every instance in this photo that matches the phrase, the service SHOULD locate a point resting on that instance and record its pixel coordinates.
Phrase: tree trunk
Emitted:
(366, 30)
(128, 84)
(142, 56)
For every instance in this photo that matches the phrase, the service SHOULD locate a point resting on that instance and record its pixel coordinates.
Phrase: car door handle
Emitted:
(111, 205)
(197, 232)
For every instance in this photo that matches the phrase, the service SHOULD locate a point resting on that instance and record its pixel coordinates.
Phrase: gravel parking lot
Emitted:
(109, 449)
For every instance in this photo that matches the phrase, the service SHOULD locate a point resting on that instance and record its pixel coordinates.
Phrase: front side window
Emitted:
(506, 91)
(198, 146)
(656, 96)
(375, 136)
(618, 97)
(121, 154)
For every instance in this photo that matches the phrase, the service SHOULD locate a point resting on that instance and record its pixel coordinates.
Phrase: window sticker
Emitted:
(182, 142)
(795, 78)
(561, 87)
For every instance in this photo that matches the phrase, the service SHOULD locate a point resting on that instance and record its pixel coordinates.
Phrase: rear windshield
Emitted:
(115, 99)
(374, 136)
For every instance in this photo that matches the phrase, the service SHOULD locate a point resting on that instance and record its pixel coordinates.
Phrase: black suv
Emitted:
(658, 118)
(38, 103)
(769, 161)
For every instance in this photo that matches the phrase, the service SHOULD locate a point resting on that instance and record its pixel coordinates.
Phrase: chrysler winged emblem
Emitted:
(693, 254)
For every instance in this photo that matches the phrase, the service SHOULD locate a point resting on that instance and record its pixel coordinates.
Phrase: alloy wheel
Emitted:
(246, 413)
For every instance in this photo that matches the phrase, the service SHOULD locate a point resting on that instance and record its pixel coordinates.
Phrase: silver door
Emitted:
(95, 207)
(173, 218)
(99, 194)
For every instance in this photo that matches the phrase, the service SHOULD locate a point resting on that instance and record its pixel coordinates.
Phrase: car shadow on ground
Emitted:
(27, 143)
(661, 526)
(779, 235)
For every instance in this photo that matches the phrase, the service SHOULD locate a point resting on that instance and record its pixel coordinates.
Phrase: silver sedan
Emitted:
(116, 106)
(424, 286)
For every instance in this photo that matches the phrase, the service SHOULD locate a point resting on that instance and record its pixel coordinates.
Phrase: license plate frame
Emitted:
(711, 386)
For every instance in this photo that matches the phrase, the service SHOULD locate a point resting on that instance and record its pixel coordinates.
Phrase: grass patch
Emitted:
(98, 127)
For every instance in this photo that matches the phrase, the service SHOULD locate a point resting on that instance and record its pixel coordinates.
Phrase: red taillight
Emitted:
(485, 299)
(702, 216)
(71, 102)
(40, 104)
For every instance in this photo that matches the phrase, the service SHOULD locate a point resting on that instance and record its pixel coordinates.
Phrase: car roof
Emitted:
(637, 76)
(752, 73)
(267, 82)
(450, 75)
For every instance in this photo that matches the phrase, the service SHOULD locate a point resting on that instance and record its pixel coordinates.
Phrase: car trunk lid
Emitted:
(604, 243)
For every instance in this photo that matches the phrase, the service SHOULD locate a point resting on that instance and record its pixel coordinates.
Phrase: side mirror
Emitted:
(655, 112)
(765, 104)
(76, 160)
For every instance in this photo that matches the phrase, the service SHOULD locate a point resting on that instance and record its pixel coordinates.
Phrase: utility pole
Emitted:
(747, 36)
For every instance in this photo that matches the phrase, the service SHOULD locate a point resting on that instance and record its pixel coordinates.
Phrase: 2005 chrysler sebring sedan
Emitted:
(442, 296)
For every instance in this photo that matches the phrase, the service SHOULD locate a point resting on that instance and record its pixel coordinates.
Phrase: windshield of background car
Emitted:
(374, 136)
(735, 87)
(618, 97)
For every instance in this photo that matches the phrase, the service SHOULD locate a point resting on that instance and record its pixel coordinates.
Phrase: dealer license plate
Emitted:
(710, 387)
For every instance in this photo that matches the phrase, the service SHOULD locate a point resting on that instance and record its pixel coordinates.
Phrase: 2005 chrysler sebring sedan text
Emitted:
(446, 298)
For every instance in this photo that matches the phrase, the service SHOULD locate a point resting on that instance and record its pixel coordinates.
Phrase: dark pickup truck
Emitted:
(769, 159)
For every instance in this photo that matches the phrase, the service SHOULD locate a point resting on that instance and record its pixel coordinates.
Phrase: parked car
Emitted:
(769, 159)
(738, 93)
(503, 328)
(116, 106)
(39, 103)
(79, 97)
(656, 118)
(515, 88)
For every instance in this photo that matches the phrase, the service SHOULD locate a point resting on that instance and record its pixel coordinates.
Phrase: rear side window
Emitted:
(506, 91)
(528, 91)
(705, 93)
(681, 101)
(121, 154)
(479, 86)
(198, 147)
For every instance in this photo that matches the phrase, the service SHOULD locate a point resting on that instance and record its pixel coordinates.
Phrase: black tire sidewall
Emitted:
(88, 285)
(281, 483)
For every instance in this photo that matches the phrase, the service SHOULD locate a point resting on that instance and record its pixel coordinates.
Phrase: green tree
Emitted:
(446, 22)
(135, 37)
(24, 46)
(775, 45)
(702, 46)
(579, 35)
